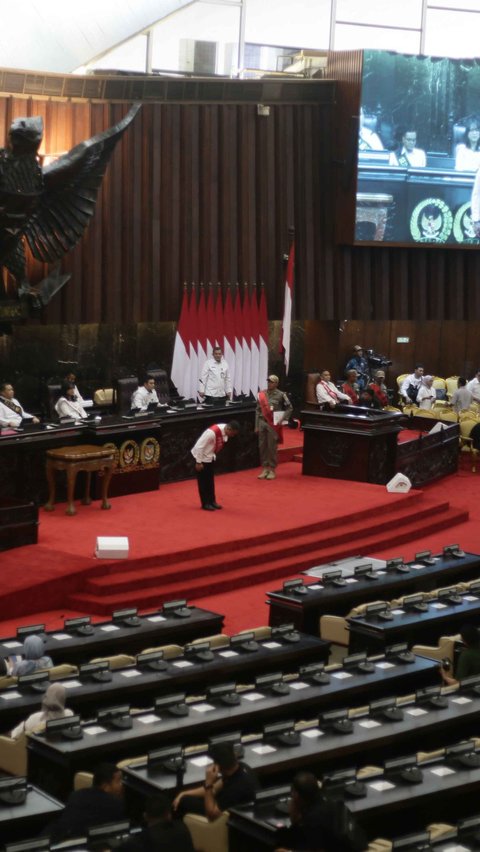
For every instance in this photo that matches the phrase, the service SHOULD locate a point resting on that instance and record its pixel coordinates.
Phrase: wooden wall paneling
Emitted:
(321, 342)
(399, 284)
(402, 355)
(419, 297)
(209, 195)
(427, 345)
(308, 235)
(268, 250)
(153, 194)
(285, 156)
(343, 284)
(472, 349)
(472, 294)
(228, 193)
(75, 298)
(171, 200)
(434, 271)
(111, 222)
(362, 296)
(136, 268)
(247, 220)
(381, 285)
(455, 288)
(324, 285)
(451, 359)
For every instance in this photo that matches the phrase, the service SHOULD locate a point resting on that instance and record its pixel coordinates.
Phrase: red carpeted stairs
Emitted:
(202, 571)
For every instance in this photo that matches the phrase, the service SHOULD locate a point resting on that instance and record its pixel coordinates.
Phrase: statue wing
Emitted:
(71, 185)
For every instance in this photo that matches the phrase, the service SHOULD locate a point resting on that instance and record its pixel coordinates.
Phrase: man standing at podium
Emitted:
(215, 381)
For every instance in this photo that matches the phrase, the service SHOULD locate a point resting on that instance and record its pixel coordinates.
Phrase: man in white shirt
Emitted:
(210, 442)
(328, 394)
(411, 384)
(144, 395)
(11, 412)
(474, 387)
(408, 156)
(215, 381)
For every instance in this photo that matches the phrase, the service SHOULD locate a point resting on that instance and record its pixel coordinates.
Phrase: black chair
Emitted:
(161, 385)
(54, 392)
(124, 388)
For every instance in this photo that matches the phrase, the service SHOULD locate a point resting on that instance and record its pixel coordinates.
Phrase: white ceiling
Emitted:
(62, 35)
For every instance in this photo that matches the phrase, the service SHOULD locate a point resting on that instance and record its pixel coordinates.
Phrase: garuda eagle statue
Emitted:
(48, 208)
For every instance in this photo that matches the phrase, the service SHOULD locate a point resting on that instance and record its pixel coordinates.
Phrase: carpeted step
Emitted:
(196, 587)
(315, 541)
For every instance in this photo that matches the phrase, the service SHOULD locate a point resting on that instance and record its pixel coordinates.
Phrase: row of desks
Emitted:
(150, 449)
(305, 609)
(54, 761)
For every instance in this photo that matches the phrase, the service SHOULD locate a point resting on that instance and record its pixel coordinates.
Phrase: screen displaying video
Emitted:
(418, 151)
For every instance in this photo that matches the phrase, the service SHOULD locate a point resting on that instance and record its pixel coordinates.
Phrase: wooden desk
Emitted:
(373, 634)
(85, 458)
(155, 629)
(304, 610)
(27, 820)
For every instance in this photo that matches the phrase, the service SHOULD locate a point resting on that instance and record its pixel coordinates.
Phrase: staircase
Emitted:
(205, 571)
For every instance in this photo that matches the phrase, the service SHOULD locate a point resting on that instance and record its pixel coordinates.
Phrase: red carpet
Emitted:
(267, 531)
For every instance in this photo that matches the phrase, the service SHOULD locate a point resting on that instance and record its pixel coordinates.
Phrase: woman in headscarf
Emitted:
(33, 658)
(53, 707)
(426, 395)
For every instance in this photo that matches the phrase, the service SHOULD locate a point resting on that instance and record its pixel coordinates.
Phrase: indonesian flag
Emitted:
(263, 340)
(219, 322)
(254, 343)
(229, 334)
(181, 367)
(247, 359)
(202, 330)
(238, 318)
(193, 318)
(287, 308)
(210, 322)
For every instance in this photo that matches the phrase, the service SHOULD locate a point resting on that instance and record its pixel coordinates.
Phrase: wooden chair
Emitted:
(117, 661)
(13, 755)
(334, 629)
(62, 670)
(443, 651)
(310, 389)
(206, 835)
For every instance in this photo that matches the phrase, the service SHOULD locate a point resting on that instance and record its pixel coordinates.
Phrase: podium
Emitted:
(359, 444)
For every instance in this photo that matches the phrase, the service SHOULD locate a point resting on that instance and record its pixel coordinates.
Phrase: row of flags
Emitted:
(239, 325)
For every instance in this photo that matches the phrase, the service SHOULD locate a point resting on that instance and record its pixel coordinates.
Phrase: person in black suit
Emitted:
(162, 833)
(102, 802)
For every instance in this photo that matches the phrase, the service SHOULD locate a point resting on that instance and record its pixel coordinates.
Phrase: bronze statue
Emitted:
(49, 207)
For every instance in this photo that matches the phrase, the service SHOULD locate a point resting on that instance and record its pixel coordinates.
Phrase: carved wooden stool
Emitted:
(85, 457)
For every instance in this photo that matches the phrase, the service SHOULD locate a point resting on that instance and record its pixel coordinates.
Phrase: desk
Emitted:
(20, 821)
(86, 698)
(305, 610)
(344, 443)
(149, 449)
(381, 813)
(321, 751)
(55, 762)
(373, 634)
(155, 629)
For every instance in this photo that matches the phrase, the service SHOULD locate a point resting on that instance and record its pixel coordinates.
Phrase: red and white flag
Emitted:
(263, 338)
(219, 317)
(247, 354)
(210, 321)
(287, 308)
(254, 343)
(193, 328)
(181, 368)
(238, 318)
(229, 334)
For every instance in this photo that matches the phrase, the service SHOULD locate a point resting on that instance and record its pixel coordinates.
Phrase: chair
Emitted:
(452, 385)
(443, 651)
(211, 836)
(440, 387)
(260, 632)
(124, 390)
(360, 609)
(82, 780)
(219, 640)
(13, 755)
(54, 391)
(439, 829)
(427, 756)
(310, 388)
(62, 670)
(104, 397)
(117, 661)
(400, 381)
(467, 421)
(169, 651)
(334, 629)
(6, 681)
(161, 385)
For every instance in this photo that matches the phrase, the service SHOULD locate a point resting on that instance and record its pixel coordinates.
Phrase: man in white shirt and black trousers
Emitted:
(210, 442)
(215, 381)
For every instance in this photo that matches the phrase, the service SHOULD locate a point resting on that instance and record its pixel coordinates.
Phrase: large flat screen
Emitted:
(418, 151)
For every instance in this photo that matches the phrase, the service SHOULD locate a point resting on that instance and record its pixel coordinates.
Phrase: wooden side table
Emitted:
(86, 457)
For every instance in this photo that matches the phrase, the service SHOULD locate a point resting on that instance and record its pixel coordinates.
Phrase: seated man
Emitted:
(411, 384)
(102, 802)
(350, 386)
(407, 155)
(379, 388)
(162, 833)
(228, 782)
(328, 394)
(144, 395)
(11, 412)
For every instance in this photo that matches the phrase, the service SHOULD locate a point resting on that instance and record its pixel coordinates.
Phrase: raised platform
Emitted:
(267, 530)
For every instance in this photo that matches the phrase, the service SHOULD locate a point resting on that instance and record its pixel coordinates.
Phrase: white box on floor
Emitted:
(111, 547)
